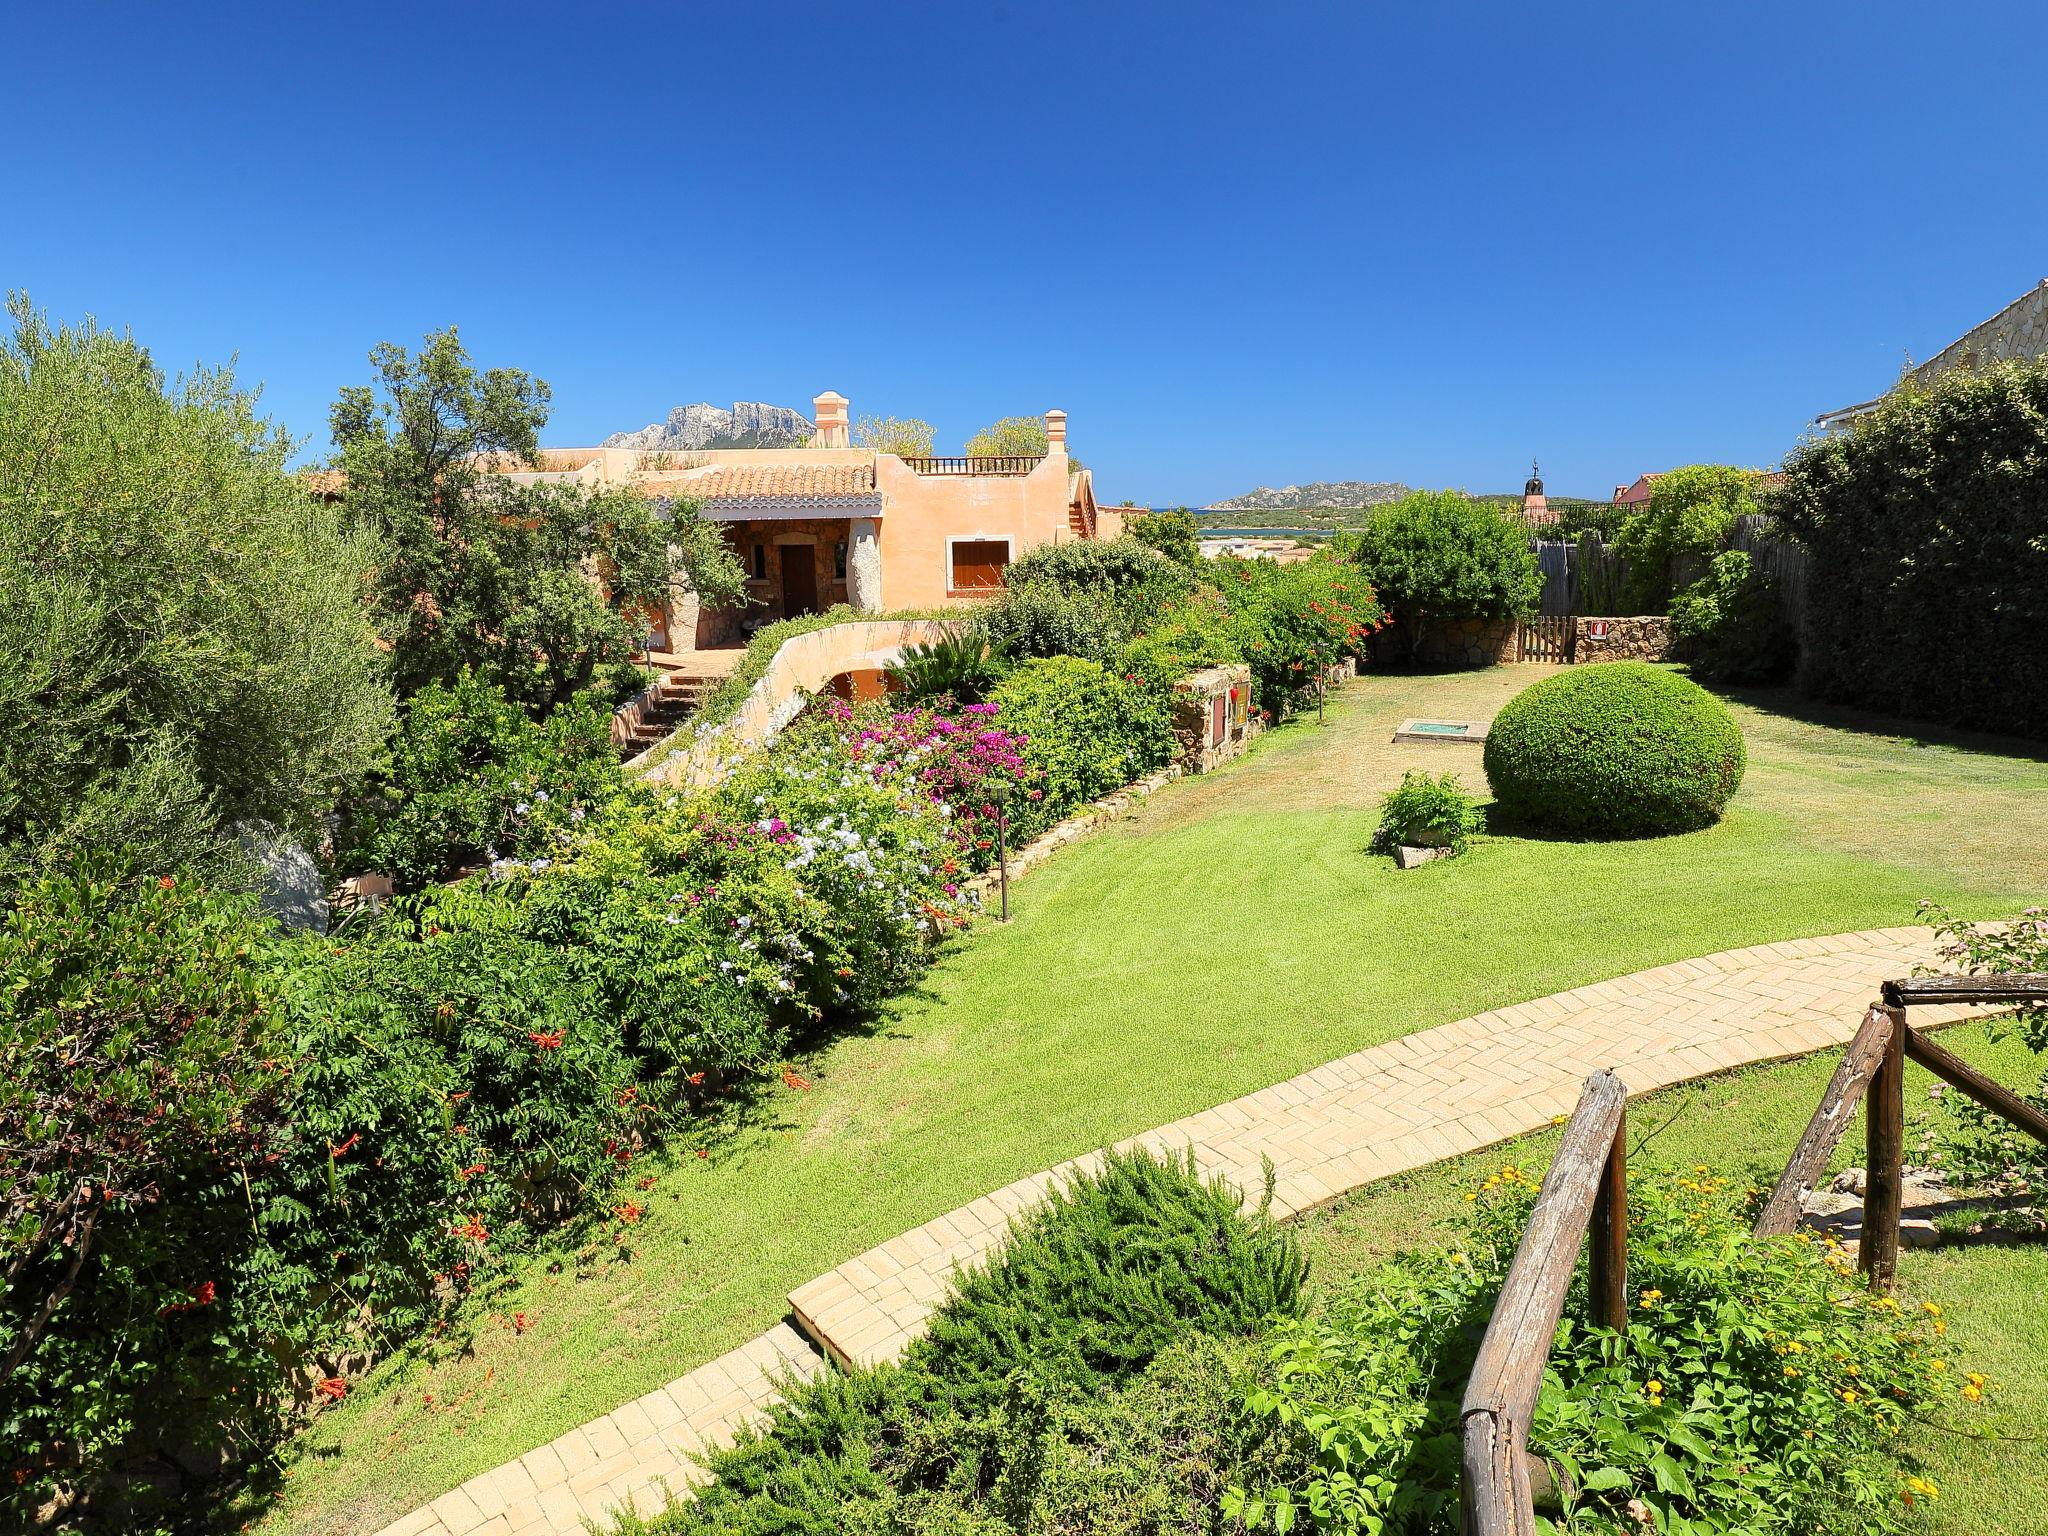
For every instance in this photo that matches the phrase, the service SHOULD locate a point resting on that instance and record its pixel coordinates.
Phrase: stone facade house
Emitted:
(2018, 331)
(831, 523)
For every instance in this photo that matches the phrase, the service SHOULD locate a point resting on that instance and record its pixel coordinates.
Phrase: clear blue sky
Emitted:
(1241, 245)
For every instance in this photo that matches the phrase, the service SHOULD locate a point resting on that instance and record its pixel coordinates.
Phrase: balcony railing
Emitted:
(1007, 464)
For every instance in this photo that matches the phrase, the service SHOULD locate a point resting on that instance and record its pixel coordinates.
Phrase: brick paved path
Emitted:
(1397, 1106)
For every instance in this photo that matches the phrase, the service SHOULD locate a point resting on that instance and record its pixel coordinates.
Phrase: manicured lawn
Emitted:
(1745, 1124)
(1231, 934)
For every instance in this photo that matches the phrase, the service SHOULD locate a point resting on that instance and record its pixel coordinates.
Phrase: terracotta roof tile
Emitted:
(766, 482)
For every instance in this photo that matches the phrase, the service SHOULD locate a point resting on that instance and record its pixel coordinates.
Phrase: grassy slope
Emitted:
(1745, 1123)
(1228, 936)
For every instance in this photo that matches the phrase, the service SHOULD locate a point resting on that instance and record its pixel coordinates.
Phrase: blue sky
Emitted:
(1238, 244)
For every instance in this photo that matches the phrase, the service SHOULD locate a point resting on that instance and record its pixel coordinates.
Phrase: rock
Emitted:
(746, 425)
(1918, 1232)
(289, 886)
(1848, 1182)
(1409, 858)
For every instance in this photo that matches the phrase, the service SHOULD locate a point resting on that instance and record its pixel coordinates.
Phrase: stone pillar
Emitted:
(1055, 431)
(830, 409)
(864, 564)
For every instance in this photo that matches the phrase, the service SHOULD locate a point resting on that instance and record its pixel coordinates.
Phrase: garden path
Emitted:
(1385, 1110)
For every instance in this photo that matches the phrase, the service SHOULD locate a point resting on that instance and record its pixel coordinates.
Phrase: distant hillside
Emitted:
(1326, 493)
(1318, 518)
(746, 425)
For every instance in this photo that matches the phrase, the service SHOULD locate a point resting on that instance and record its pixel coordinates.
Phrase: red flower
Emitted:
(631, 1212)
(551, 1040)
(334, 1389)
(344, 1148)
(472, 1229)
(701, 1152)
(790, 1079)
(519, 1323)
(166, 882)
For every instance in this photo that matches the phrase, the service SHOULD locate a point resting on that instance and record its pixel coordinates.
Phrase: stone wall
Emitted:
(1447, 643)
(2020, 330)
(1647, 638)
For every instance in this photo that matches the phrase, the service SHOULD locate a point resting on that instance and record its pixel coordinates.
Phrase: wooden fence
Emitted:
(1547, 637)
(1586, 1190)
(1587, 1186)
(1876, 1061)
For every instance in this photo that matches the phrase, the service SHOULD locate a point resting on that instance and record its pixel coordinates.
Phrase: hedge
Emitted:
(1620, 749)
(1928, 584)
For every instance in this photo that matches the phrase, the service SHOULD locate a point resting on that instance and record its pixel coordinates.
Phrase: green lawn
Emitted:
(1229, 935)
(1745, 1123)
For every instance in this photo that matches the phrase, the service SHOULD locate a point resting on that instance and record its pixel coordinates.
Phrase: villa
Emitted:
(832, 523)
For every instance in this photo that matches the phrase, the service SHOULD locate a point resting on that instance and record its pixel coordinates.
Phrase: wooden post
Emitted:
(1507, 1373)
(1994, 1096)
(1824, 1131)
(1884, 1126)
(1607, 1262)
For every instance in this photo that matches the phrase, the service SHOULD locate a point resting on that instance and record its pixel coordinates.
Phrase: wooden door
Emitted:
(799, 580)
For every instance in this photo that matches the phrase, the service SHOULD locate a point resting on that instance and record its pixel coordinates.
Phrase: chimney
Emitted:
(830, 409)
(1056, 432)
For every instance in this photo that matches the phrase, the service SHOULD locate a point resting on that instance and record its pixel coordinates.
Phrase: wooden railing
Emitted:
(1587, 1186)
(1001, 464)
(1875, 1063)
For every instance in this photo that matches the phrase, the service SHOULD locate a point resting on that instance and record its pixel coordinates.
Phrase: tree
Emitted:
(183, 639)
(1173, 534)
(538, 586)
(1021, 437)
(1689, 514)
(1437, 555)
(905, 436)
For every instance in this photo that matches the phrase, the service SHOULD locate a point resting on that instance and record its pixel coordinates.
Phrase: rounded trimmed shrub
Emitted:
(1621, 749)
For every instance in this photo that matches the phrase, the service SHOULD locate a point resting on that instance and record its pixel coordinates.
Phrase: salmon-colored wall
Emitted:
(920, 513)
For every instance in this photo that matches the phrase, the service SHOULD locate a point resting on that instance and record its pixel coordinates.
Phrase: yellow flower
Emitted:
(1852, 1369)
(1849, 1397)
(1937, 1365)
(1973, 1393)
(1650, 1298)
(1975, 1378)
(1795, 1346)
(1791, 1370)
(1930, 1309)
(1923, 1486)
(1459, 1258)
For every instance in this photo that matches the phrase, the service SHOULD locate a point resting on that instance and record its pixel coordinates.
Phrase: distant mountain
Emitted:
(1337, 493)
(746, 425)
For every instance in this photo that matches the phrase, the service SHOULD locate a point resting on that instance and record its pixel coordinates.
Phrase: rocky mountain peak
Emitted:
(749, 424)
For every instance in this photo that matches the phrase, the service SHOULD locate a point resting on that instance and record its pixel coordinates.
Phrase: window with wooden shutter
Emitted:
(978, 564)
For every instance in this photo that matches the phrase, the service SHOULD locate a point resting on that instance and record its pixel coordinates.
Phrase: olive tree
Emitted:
(183, 638)
(537, 587)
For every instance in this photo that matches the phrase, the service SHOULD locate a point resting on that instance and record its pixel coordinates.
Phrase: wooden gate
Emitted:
(1547, 637)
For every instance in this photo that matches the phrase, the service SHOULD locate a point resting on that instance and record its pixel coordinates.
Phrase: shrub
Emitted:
(1042, 621)
(1290, 621)
(1128, 1268)
(137, 1084)
(1107, 1274)
(1980, 1150)
(962, 763)
(1427, 812)
(183, 643)
(1927, 590)
(1439, 555)
(959, 667)
(1622, 749)
(1173, 534)
(473, 778)
(1688, 517)
(1759, 1387)
(1083, 599)
(1730, 626)
(1086, 730)
(1192, 636)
